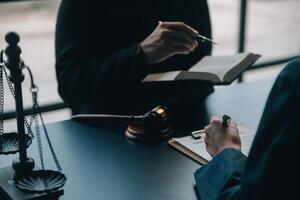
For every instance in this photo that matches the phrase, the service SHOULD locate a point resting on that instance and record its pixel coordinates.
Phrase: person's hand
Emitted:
(168, 39)
(218, 137)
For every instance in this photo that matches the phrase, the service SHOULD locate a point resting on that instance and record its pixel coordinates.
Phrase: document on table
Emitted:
(195, 148)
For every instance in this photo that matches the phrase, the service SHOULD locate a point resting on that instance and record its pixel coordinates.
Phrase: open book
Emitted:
(195, 148)
(215, 69)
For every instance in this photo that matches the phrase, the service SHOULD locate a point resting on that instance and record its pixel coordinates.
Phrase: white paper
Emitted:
(198, 145)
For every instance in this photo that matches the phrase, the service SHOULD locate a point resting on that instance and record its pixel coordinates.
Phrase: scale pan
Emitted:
(40, 181)
(9, 143)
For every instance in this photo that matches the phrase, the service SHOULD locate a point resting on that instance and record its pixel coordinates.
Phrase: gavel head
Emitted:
(156, 119)
(152, 128)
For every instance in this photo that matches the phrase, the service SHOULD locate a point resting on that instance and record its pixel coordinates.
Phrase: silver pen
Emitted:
(205, 39)
(197, 134)
(200, 37)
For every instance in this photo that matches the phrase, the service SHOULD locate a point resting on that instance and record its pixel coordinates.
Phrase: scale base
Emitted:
(8, 191)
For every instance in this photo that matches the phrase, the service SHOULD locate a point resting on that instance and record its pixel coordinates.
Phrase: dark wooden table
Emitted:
(103, 164)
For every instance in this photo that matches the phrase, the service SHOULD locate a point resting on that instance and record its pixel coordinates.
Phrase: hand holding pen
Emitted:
(169, 39)
(200, 133)
(221, 134)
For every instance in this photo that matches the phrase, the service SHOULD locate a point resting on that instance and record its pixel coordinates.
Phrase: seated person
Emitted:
(105, 48)
(272, 169)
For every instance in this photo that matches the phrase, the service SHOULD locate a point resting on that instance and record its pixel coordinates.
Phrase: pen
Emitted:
(205, 39)
(226, 121)
(197, 134)
(198, 131)
(201, 37)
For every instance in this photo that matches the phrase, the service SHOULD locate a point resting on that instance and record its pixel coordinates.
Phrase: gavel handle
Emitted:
(96, 117)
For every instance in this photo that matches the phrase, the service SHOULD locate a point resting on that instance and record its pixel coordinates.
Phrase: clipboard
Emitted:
(187, 152)
(196, 150)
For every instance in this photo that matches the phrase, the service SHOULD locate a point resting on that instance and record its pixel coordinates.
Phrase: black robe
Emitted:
(98, 70)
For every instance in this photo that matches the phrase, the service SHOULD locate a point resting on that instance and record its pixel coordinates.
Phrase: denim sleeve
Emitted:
(221, 177)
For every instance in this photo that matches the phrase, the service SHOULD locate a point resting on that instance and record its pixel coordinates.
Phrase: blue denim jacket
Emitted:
(272, 170)
(222, 176)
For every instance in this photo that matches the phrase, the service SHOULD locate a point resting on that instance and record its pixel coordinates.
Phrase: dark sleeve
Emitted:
(221, 177)
(83, 64)
(274, 162)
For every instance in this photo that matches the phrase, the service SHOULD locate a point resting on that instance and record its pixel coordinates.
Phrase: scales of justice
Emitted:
(23, 180)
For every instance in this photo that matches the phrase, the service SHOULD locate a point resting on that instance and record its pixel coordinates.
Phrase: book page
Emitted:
(187, 75)
(167, 76)
(218, 65)
(198, 145)
(234, 72)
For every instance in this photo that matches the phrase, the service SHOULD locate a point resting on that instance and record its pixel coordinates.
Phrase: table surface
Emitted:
(103, 164)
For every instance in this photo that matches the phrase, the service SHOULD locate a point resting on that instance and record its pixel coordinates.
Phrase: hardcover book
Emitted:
(219, 70)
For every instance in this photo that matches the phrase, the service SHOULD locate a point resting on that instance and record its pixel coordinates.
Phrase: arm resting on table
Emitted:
(221, 177)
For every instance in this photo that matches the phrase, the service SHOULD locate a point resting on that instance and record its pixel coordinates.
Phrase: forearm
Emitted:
(221, 177)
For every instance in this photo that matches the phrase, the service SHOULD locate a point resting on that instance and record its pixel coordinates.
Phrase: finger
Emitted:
(206, 146)
(180, 37)
(178, 49)
(207, 143)
(236, 129)
(215, 120)
(179, 26)
(181, 42)
(233, 124)
(207, 136)
(208, 149)
(206, 128)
